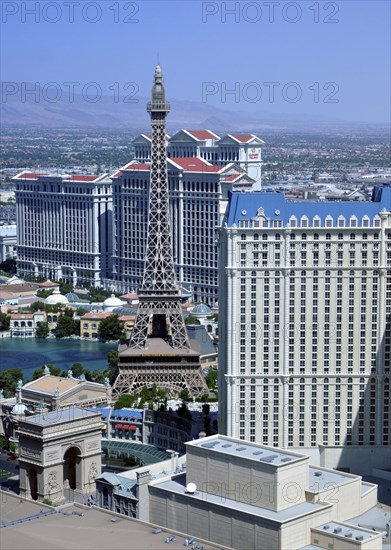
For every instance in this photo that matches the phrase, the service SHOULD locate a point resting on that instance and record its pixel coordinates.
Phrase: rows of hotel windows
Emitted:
(260, 409)
(144, 153)
(194, 186)
(349, 303)
(58, 188)
(300, 251)
(316, 222)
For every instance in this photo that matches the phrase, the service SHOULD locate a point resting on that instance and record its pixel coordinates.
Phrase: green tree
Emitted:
(4, 321)
(125, 401)
(111, 372)
(190, 320)
(55, 371)
(9, 381)
(65, 288)
(212, 378)
(42, 293)
(8, 266)
(37, 306)
(98, 294)
(98, 376)
(111, 328)
(77, 370)
(42, 330)
(185, 395)
(4, 442)
(67, 326)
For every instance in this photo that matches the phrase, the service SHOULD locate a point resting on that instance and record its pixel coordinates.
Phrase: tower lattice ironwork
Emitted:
(159, 351)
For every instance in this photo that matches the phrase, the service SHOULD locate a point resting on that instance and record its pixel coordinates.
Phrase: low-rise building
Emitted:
(247, 496)
(89, 323)
(7, 242)
(25, 324)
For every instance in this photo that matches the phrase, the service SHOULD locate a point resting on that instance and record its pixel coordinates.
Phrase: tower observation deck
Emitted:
(159, 351)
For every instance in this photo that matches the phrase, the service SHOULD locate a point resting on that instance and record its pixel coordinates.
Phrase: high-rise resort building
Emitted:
(64, 227)
(159, 351)
(305, 314)
(205, 167)
(202, 168)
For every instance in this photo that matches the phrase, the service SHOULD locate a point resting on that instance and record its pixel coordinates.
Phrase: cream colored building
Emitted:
(247, 496)
(304, 323)
(56, 392)
(25, 324)
(59, 450)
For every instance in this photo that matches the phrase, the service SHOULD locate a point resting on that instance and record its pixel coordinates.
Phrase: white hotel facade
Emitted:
(305, 314)
(92, 229)
(64, 227)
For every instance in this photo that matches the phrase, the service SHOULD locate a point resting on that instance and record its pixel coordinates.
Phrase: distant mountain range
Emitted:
(120, 114)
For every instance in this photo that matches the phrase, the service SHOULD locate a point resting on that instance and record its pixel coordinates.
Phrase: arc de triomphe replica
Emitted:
(59, 450)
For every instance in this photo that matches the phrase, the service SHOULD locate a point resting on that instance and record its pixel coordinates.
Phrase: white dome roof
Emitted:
(19, 408)
(57, 298)
(113, 302)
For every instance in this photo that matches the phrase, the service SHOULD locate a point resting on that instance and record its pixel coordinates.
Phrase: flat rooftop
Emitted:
(62, 415)
(346, 531)
(177, 485)
(320, 479)
(250, 451)
(67, 528)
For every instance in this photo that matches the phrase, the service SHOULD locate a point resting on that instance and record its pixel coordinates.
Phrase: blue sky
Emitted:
(330, 59)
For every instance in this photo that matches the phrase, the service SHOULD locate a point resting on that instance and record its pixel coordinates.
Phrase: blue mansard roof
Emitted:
(245, 206)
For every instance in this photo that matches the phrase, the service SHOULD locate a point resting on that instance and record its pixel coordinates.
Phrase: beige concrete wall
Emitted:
(259, 484)
(297, 533)
(368, 500)
(329, 540)
(358, 459)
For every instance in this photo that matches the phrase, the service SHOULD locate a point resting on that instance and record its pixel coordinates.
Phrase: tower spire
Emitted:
(159, 329)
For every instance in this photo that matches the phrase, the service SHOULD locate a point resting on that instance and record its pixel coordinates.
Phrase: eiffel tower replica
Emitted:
(159, 351)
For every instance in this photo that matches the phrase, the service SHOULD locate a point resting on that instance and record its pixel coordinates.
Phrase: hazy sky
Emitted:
(317, 58)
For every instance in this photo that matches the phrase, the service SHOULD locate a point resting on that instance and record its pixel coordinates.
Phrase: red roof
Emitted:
(29, 176)
(22, 315)
(117, 174)
(201, 135)
(102, 315)
(82, 178)
(194, 164)
(244, 138)
(137, 166)
(232, 177)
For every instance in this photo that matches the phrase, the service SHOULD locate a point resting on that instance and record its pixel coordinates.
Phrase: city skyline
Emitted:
(293, 58)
